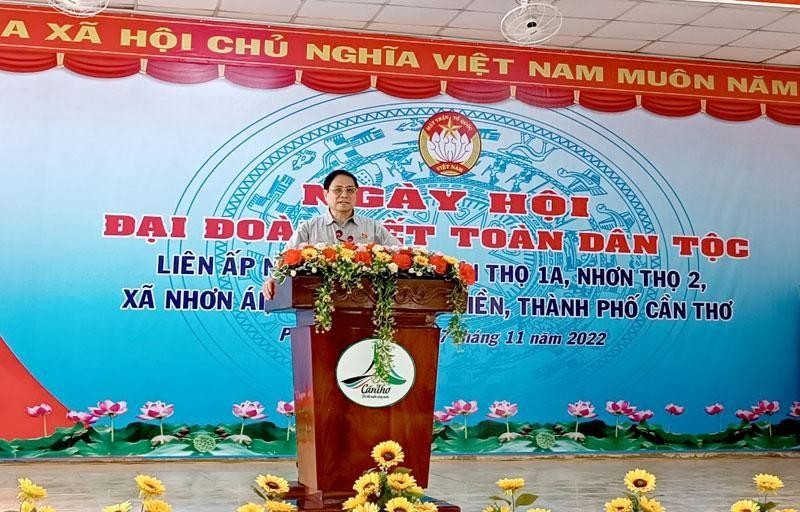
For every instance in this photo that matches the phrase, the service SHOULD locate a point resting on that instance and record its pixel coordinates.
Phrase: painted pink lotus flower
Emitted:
(156, 411)
(109, 408)
(84, 418)
(640, 416)
(42, 409)
(462, 408)
(766, 407)
(286, 408)
(675, 410)
(502, 410)
(794, 410)
(581, 409)
(248, 410)
(620, 408)
(745, 415)
(714, 409)
(442, 416)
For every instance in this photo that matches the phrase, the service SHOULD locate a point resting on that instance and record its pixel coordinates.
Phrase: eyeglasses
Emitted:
(344, 190)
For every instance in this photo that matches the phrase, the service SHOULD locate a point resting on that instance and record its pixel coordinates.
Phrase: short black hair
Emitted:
(338, 172)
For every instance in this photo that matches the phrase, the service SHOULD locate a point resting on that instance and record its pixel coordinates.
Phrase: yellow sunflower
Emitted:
(767, 483)
(401, 481)
(619, 505)
(125, 506)
(640, 481)
(280, 506)
(29, 490)
(355, 501)
(745, 506)
(368, 483)
(154, 505)
(272, 485)
(388, 454)
(427, 506)
(27, 506)
(149, 486)
(511, 484)
(250, 507)
(399, 505)
(650, 505)
(367, 507)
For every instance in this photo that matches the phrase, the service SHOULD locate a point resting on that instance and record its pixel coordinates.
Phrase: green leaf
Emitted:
(768, 505)
(523, 500)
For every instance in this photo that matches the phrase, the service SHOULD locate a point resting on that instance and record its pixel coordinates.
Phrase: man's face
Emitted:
(341, 195)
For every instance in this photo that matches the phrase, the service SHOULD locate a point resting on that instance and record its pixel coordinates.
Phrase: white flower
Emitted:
(377, 248)
(320, 246)
(392, 267)
(313, 270)
(293, 273)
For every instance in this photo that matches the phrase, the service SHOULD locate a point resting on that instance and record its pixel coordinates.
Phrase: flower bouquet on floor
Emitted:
(765, 485)
(347, 266)
(387, 487)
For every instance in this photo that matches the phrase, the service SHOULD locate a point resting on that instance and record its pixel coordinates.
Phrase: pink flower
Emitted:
(42, 409)
(461, 407)
(84, 418)
(715, 409)
(156, 411)
(442, 416)
(581, 409)
(109, 408)
(794, 410)
(620, 408)
(502, 409)
(747, 415)
(675, 410)
(640, 416)
(248, 410)
(766, 407)
(285, 408)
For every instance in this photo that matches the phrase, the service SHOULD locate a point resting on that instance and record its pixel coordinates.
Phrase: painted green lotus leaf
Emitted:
(471, 445)
(175, 449)
(279, 447)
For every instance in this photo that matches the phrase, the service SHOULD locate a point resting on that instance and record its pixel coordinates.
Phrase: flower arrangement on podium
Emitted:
(347, 266)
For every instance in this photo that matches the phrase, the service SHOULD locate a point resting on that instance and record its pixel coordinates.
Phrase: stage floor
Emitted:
(563, 484)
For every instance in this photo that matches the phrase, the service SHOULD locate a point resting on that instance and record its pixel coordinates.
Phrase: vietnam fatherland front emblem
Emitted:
(449, 143)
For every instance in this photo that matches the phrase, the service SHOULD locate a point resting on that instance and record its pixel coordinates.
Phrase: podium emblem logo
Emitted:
(450, 143)
(355, 375)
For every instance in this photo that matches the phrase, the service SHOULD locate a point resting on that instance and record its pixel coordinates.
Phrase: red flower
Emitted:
(439, 264)
(349, 245)
(292, 257)
(363, 257)
(466, 273)
(402, 260)
(329, 253)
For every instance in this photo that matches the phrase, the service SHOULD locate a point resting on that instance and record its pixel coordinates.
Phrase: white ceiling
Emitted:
(679, 28)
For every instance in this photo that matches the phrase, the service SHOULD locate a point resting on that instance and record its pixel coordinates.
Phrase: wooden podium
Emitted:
(334, 434)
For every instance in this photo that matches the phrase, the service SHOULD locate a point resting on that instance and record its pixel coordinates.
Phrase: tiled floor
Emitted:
(563, 484)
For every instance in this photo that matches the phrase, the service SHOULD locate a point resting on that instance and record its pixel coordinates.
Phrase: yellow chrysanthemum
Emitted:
(347, 254)
(154, 505)
(367, 507)
(421, 260)
(383, 257)
(149, 486)
(401, 481)
(309, 253)
(619, 505)
(538, 510)
(125, 506)
(355, 501)
(511, 484)
(250, 507)
(767, 483)
(272, 485)
(27, 506)
(280, 506)
(399, 505)
(368, 483)
(640, 481)
(388, 454)
(449, 259)
(29, 490)
(745, 506)
(427, 506)
(650, 505)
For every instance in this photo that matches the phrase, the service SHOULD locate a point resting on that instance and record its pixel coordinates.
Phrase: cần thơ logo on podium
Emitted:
(355, 375)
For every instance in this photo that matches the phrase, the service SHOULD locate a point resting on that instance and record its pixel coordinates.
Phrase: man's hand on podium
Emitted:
(268, 289)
